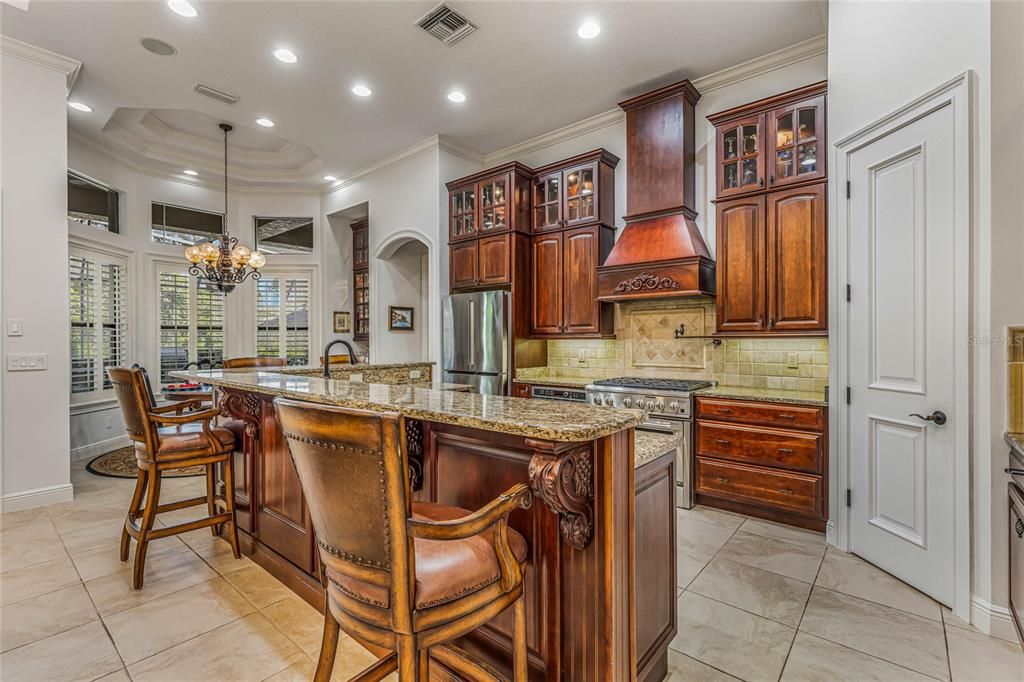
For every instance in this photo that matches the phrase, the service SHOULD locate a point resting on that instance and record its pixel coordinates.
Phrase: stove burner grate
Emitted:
(655, 384)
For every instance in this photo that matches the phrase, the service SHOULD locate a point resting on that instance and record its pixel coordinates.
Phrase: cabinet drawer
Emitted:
(787, 491)
(785, 449)
(769, 414)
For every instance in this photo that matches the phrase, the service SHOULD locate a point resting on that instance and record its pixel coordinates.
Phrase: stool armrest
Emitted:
(205, 415)
(177, 407)
(516, 497)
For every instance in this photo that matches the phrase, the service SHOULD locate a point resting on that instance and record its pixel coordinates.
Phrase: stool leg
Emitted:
(408, 659)
(148, 518)
(210, 505)
(328, 647)
(133, 511)
(519, 641)
(229, 501)
(424, 672)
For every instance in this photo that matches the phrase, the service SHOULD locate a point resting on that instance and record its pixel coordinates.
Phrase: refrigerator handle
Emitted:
(472, 333)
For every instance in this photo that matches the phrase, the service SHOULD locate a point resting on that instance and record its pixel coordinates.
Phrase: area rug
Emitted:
(121, 464)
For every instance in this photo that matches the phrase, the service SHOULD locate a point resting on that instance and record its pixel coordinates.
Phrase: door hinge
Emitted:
(849, 393)
(847, 189)
(848, 293)
(849, 497)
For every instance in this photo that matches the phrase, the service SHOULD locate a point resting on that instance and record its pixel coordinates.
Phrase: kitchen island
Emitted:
(597, 608)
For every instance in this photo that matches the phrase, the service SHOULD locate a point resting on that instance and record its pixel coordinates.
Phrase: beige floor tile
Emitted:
(682, 668)
(149, 628)
(790, 534)
(718, 517)
(113, 593)
(700, 536)
(33, 581)
(793, 561)
(716, 634)
(116, 676)
(852, 575)
(975, 656)
(44, 616)
(688, 565)
(12, 520)
(296, 672)
(299, 621)
(217, 553)
(352, 659)
(895, 636)
(258, 586)
(21, 550)
(83, 653)
(760, 592)
(250, 648)
(80, 514)
(813, 659)
(92, 535)
(104, 560)
(952, 620)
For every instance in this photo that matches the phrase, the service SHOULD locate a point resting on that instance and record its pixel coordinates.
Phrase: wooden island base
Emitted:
(596, 531)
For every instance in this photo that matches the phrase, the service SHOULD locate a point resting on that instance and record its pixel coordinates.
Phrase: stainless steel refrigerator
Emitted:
(476, 341)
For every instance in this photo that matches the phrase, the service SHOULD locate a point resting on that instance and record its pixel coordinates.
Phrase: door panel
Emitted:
(581, 310)
(494, 260)
(546, 285)
(796, 143)
(903, 352)
(580, 188)
(464, 266)
(740, 267)
(797, 277)
(741, 156)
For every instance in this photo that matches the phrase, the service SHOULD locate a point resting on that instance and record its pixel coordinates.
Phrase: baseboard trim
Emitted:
(993, 620)
(100, 448)
(39, 497)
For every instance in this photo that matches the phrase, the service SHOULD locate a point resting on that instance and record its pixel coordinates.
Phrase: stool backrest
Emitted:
(131, 389)
(239, 363)
(352, 465)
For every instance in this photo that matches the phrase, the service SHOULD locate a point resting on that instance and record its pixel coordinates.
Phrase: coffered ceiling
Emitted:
(524, 72)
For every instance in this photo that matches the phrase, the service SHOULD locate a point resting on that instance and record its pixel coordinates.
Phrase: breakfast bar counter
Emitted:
(586, 582)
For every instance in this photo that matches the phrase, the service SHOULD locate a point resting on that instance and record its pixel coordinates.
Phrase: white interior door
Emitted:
(903, 346)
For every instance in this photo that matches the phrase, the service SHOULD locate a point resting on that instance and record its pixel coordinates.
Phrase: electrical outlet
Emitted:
(15, 327)
(415, 374)
(26, 362)
(793, 360)
(581, 357)
(109, 423)
(355, 377)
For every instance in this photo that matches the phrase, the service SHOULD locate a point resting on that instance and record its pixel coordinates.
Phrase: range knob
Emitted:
(659, 406)
(649, 405)
(627, 402)
(609, 400)
(597, 400)
(673, 406)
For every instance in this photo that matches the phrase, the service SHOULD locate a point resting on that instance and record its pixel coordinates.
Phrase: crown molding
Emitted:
(431, 144)
(67, 66)
(793, 54)
(444, 143)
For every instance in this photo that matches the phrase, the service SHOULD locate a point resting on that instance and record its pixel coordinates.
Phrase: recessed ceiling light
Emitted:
(330, 178)
(362, 90)
(265, 122)
(285, 55)
(588, 30)
(190, 172)
(183, 7)
(78, 106)
(457, 96)
(158, 47)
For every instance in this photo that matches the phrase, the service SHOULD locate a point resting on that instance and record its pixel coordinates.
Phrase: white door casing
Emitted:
(901, 343)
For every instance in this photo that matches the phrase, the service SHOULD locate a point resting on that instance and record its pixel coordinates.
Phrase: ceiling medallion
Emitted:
(223, 262)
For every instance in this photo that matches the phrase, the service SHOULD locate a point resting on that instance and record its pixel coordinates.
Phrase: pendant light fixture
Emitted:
(223, 262)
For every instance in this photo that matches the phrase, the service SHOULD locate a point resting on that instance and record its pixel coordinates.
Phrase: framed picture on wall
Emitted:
(400, 318)
(342, 322)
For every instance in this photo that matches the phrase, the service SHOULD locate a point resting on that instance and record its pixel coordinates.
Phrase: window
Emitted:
(191, 323)
(99, 325)
(179, 226)
(282, 317)
(92, 204)
(284, 235)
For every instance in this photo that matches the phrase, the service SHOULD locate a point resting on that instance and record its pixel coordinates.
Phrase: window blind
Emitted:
(268, 317)
(82, 284)
(97, 288)
(174, 323)
(209, 324)
(296, 312)
(282, 318)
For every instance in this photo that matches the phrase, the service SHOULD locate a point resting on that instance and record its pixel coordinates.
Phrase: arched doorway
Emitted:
(402, 280)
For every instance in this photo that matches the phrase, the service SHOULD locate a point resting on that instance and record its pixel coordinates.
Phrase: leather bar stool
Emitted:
(406, 576)
(166, 439)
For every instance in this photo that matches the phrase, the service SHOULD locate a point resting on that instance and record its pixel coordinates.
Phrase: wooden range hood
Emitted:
(660, 253)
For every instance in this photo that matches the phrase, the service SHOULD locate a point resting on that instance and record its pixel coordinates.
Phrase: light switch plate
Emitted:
(26, 362)
(415, 374)
(793, 360)
(15, 327)
(355, 377)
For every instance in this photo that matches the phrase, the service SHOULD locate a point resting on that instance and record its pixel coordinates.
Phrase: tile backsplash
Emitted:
(646, 345)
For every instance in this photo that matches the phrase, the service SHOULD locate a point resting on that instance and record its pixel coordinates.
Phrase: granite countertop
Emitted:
(359, 367)
(650, 445)
(553, 420)
(1016, 442)
(771, 395)
(573, 382)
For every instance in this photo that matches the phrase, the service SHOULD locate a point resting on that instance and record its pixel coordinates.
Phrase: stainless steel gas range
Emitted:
(667, 404)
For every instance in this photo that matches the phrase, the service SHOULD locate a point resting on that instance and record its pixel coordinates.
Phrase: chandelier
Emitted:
(223, 262)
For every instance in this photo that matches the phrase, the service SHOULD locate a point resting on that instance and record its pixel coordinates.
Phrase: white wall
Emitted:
(882, 55)
(400, 278)
(33, 155)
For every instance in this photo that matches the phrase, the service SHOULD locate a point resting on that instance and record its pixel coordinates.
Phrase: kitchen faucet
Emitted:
(327, 355)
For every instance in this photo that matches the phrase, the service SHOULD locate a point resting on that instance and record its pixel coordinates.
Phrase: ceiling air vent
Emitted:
(446, 24)
(216, 94)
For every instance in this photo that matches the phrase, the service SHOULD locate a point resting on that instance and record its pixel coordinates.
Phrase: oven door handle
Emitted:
(662, 426)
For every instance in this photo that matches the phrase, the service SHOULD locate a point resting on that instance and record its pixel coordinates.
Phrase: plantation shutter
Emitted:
(97, 293)
(296, 311)
(283, 304)
(174, 323)
(268, 317)
(82, 284)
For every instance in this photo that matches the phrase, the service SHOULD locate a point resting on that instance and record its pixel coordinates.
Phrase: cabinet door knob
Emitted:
(771, 322)
(771, 179)
(760, 181)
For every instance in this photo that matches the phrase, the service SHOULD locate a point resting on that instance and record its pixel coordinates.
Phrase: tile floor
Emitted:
(756, 601)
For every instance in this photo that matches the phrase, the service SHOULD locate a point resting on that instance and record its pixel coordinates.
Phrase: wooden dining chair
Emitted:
(168, 438)
(406, 576)
(241, 363)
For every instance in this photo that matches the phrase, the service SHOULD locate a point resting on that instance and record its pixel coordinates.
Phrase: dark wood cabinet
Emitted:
(521, 390)
(575, 192)
(464, 265)
(547, 202)
(361, 280)
(546, 284)
(764, 459)
(795, 244)
(462, 211)
(564, 283)
(771, 221)
(494, 260)
(492, 201)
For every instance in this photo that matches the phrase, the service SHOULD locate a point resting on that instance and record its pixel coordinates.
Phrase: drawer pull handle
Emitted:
(721, 441)
(726, 410)
(785, 451)
(1019, 527)
(785, 491)
(787, 416)
(721, 479)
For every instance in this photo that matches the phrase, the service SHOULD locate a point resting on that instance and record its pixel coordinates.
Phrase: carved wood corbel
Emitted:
(414, 450)
(242, 406)
(564, 480)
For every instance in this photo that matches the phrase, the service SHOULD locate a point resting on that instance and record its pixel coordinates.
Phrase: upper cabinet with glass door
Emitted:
(463, 212)
(796, 142)
(741, 156)
(575, 192)
(491, 201)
